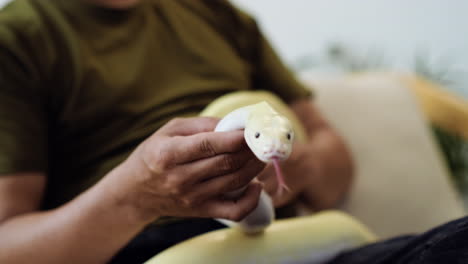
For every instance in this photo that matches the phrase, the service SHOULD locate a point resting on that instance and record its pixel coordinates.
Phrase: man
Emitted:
(98, 135)
(93, 158)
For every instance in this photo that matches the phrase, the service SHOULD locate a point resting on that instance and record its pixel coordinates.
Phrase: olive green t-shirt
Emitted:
(82, 86)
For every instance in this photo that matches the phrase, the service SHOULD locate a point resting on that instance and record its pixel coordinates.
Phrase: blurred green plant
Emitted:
(338, 54)
(439, 71)
(454, 147)
(455, 150)
(340, 57)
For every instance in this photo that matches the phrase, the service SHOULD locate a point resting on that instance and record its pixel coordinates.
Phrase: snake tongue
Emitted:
(279, 178)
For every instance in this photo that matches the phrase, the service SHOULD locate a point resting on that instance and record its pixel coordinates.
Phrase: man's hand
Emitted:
(184, 169)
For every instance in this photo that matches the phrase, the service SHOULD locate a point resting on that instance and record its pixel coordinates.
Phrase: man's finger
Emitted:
(189, 126)
(222, 164)
(226, 183)
(267, 177)
(207, 144)
(235, 210)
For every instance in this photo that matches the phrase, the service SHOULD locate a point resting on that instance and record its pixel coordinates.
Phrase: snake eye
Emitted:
(288, 136)
(257, 135)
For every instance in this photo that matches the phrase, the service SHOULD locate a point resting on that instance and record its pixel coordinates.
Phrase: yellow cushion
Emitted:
(401, 184)
(310, 238)
(444, 109)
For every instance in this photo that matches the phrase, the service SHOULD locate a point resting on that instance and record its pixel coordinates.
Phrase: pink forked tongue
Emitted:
(279, 178)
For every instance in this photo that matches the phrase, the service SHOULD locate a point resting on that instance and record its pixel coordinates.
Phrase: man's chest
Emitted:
(138, 70)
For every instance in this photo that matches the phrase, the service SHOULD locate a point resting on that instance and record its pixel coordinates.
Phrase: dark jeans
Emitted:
(445, 244)
(155, 239)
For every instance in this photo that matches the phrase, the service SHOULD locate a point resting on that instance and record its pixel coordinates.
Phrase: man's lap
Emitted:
(155, 239)
(444, 244)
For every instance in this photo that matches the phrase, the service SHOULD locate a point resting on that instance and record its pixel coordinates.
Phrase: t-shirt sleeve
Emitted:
(243, 34)
(23, 119)
(268, 71)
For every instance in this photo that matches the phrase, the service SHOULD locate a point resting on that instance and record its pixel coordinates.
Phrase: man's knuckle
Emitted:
(236, 215)
(163, 156)
(240, 181)
(188, 202)
(227, 163)
(237, 181)
(206, 146)
(244, 211)
(160, 163)
(198, 198)
(176, 190)
(175, 122)
(175, 181)
(153, 161)
(251, 206)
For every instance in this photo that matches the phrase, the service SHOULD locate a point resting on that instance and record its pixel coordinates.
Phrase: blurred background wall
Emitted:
(397, 33)
(432, 34)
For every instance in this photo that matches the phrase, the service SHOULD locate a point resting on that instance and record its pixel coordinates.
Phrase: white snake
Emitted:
(270, 136)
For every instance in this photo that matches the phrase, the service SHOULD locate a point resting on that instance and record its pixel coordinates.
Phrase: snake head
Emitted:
(270, 137)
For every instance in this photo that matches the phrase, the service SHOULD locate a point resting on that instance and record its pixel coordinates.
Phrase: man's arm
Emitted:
(181, 170)
(89, 229)
(333, 173)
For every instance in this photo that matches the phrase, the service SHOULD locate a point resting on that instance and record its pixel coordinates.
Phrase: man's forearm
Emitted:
(333, 163)
(181, 170)
(89, 229)
(333, 171)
